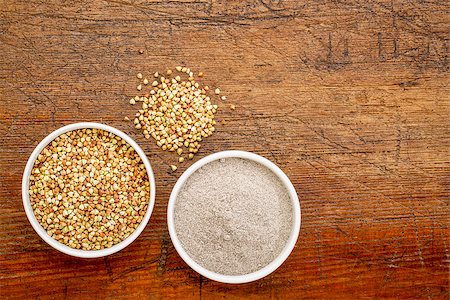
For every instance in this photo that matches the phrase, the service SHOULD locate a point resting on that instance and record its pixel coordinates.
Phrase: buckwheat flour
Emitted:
(233, 216)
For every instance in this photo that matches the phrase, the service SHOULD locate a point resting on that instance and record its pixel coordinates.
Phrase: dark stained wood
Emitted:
(349, 98)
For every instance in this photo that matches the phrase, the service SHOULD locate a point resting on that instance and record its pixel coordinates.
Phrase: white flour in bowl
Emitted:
(233, 216)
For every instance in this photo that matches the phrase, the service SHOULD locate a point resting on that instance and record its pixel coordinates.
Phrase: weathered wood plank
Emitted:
(349, 98)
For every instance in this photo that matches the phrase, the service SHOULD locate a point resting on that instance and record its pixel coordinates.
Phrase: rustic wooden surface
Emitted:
(349, 98)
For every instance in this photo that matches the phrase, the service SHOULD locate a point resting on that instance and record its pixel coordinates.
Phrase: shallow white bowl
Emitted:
(286, 250)
(41, 231)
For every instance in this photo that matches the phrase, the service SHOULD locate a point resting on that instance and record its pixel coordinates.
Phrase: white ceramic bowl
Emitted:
(265, 270)
(41, 231)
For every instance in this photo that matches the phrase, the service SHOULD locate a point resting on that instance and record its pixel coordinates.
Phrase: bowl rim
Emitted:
(292, 237)
(42, 232)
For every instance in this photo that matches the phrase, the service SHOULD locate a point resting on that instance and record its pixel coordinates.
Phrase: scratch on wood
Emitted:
(132, 269)
(163, 255)
(380, 48)
(419, 248)
(108, 268)
(409, 83)
(329, 50)
(394, 44)
(346, 52)
(65, 289)
(318, 253)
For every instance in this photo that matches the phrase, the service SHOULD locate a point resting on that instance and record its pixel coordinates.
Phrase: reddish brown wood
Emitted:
(349, 98)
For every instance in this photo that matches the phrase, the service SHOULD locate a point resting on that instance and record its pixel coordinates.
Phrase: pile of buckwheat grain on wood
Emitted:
(89, 189)
(176, 111)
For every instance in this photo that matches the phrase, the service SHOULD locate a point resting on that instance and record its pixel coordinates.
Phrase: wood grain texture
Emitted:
(349, 98)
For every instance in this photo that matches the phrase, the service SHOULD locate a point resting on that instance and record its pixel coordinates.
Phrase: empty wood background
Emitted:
(349, 98)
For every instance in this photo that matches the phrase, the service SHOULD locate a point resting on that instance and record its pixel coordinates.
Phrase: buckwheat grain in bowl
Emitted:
(234, 217)
(88, 190)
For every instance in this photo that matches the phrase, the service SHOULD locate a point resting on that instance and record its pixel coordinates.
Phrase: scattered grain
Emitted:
(176, 113)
